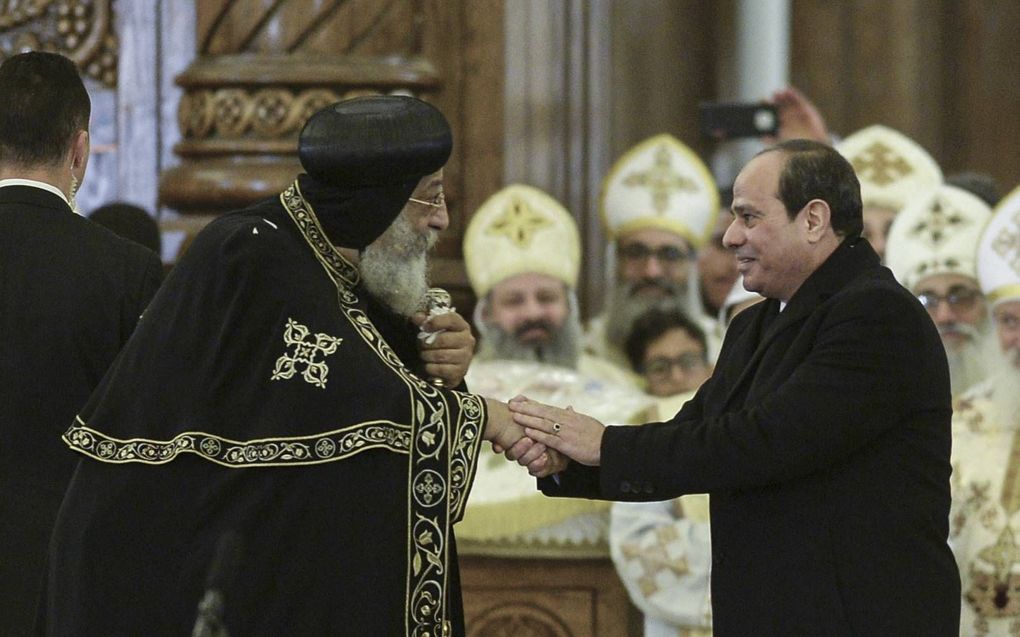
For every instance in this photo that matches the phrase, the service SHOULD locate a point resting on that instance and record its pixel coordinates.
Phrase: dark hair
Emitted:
(981, 185)
(44, 104)
(652, 325)
(817, 171)
(726, 197)
(129, 221)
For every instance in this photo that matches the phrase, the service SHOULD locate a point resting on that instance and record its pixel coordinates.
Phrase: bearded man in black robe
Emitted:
(270, 439)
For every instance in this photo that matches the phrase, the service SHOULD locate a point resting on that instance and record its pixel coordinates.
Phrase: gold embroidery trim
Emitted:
(329, 446)
(1010, 495)
(301, 211)
(438, 483)
(470, 427)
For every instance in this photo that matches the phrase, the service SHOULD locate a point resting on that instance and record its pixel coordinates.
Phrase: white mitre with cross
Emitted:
(660, 184)
(998, 260)
(936, 233)
(517, 230)
(892, 168)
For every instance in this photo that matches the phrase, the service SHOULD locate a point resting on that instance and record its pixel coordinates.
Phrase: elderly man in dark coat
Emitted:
(272, 423)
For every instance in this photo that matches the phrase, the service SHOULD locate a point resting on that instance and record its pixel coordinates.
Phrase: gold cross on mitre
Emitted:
(940, 224)
(1002, 555)
(881, 165)
(519, 222)
(655, 559)
(1007, 244)
(661, 179)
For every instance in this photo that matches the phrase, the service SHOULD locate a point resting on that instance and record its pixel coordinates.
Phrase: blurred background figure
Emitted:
(659, 205)
(717, 268)
(131, 222)
(522, 256)
(977, 183)
(932, 251)
(893, 170)
(669, 351)
(985, 516)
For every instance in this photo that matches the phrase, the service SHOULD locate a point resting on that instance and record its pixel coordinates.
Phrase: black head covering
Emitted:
(130, 222)
(364, 156)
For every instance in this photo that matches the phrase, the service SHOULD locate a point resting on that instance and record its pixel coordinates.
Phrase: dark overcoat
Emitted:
(71, 292)
(823, 438)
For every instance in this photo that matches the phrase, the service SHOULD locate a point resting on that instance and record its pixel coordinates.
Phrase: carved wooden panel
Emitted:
(83, 30)
(545, 597)
(264, 67)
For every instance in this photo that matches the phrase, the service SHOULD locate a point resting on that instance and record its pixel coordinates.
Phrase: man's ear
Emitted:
(818, 218)
(80, 152)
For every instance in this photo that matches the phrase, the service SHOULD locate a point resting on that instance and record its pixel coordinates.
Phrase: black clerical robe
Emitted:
(70, 295)
(259, 398)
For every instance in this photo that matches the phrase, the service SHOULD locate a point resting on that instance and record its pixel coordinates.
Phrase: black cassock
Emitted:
(70, 295)
(263, 395)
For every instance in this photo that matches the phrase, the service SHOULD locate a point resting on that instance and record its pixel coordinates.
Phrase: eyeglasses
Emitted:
(1007, 321)
(661, 367)
(960, 297)
(436, 202)
(665, 254)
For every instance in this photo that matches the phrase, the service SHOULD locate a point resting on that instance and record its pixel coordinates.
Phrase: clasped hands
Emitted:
(550, 437)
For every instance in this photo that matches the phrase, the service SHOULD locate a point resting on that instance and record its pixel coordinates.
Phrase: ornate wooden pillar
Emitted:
(261, 70)
(263, 67)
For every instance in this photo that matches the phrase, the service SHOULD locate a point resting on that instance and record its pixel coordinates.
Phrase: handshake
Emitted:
(541, 437)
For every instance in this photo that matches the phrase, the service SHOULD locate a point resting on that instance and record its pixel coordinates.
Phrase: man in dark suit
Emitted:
(823, 436)
(70, 295)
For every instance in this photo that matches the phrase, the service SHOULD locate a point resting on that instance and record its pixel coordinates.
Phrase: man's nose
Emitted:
(944, 313)
(532, 309)
(652, 268)
(440, 218)
(732, 238)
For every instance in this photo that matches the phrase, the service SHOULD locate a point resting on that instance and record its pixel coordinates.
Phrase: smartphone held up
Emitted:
(733, 120)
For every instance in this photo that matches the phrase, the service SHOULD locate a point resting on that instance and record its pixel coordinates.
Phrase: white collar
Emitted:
(35, 184)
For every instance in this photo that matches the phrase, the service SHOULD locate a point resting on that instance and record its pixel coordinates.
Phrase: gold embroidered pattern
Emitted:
(939, 225)
(519, 223)
(655, 559)
(303, 215)
(661, 180)
(467, 438)
(329, 446)
(439, 477)
(881, 165)
(305, 353)
(1007, 245)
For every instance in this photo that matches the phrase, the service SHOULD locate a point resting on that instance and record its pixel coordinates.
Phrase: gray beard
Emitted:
(968, 364)
(563, 349)
(624, 308)
(1004, 372)
(394, 267)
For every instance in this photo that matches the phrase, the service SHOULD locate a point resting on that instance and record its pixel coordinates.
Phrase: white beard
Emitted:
(394, 267)
(968, 364)
(624, 308)
(563, 349)
(1004, 376)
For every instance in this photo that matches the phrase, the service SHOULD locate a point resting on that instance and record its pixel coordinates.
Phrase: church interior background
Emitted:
(197, 106)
